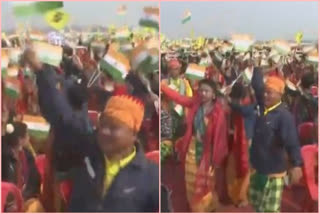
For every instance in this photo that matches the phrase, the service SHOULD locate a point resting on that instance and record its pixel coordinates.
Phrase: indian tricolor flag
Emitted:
(122, 10)
(122, 33)
(4, 61)
(49, 54)
(242, 43)
(151, 18)
(37, 126)
(37, 36)
(15, 54)
(195, 72)
(126, 47)
(154, 54)
(29, 8)
(313, 56)
(13, 71)
(139, 55)
(186, 17)
(115, 64)
(283, 47)
(12, 87)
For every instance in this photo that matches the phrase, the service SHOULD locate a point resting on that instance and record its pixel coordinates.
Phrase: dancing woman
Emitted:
(204, 146)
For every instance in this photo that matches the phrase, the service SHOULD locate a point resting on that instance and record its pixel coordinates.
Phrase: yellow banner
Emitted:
(299, 36)
(57, 19)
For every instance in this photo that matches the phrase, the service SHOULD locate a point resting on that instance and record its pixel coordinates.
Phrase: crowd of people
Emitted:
(233, 111)
(76, 136)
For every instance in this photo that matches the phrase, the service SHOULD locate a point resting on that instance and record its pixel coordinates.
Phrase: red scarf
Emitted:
(240, 146)
(216, 138)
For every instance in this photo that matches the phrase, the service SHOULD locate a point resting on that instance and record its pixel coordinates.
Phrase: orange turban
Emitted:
(275, 83)
(126, 109)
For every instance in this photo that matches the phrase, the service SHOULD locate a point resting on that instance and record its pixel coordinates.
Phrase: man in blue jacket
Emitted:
(110, 171)
(275, 138)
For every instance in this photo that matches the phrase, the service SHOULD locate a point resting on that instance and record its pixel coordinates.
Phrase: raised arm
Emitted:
(258, 87)
(176, 97)
(54, 104)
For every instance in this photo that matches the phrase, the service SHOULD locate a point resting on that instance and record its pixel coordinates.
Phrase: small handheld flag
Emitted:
(186, 17)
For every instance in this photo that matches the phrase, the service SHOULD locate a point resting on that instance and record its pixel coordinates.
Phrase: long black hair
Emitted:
(14, 131)
(210, 83)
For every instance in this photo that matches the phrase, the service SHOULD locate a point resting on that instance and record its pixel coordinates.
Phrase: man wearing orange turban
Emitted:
(110, 172)
(275, 136)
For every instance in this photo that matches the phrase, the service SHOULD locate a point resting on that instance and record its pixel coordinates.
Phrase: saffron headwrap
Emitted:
(126, 109)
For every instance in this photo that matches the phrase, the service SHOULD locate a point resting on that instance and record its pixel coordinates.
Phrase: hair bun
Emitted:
(9, 128)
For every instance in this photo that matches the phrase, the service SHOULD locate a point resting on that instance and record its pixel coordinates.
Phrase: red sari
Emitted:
(215, 145)
(238, 162)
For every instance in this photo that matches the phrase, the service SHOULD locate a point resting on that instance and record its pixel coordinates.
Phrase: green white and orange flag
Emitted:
(4, 61)
(242, 42)
(122, 33)
(13, 71)
(313, 56)
(38, 127)
(139, 55)
(122, 10)
(49, 54)
(186, 17)
(37, 36)
(12, 87)
(29, 8)
(282, 46)
(14, 55)
(115, 64)
(195, 72)
(151, 18)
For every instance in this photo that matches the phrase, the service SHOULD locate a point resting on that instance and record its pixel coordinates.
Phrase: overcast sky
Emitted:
(85, 13)
(265, 20)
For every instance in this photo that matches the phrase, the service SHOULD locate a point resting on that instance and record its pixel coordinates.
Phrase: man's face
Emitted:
(271, 97)
(114, 136)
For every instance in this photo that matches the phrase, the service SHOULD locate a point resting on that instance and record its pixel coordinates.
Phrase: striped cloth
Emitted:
(267, 198)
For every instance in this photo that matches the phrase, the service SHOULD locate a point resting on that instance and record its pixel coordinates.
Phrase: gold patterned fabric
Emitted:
(209, 202)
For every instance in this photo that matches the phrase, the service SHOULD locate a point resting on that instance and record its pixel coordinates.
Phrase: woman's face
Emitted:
(23, 141)
(206, 93)
(174, 72)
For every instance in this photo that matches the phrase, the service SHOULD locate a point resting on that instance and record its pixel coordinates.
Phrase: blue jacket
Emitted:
(136, 187)
(275, 135)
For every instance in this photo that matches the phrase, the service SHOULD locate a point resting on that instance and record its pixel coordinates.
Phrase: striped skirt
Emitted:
(209, 202)
(237, 186)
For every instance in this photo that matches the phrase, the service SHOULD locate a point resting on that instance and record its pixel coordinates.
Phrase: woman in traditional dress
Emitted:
(204, 146)
(242, 126)
(182, 86)
(18, 165)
